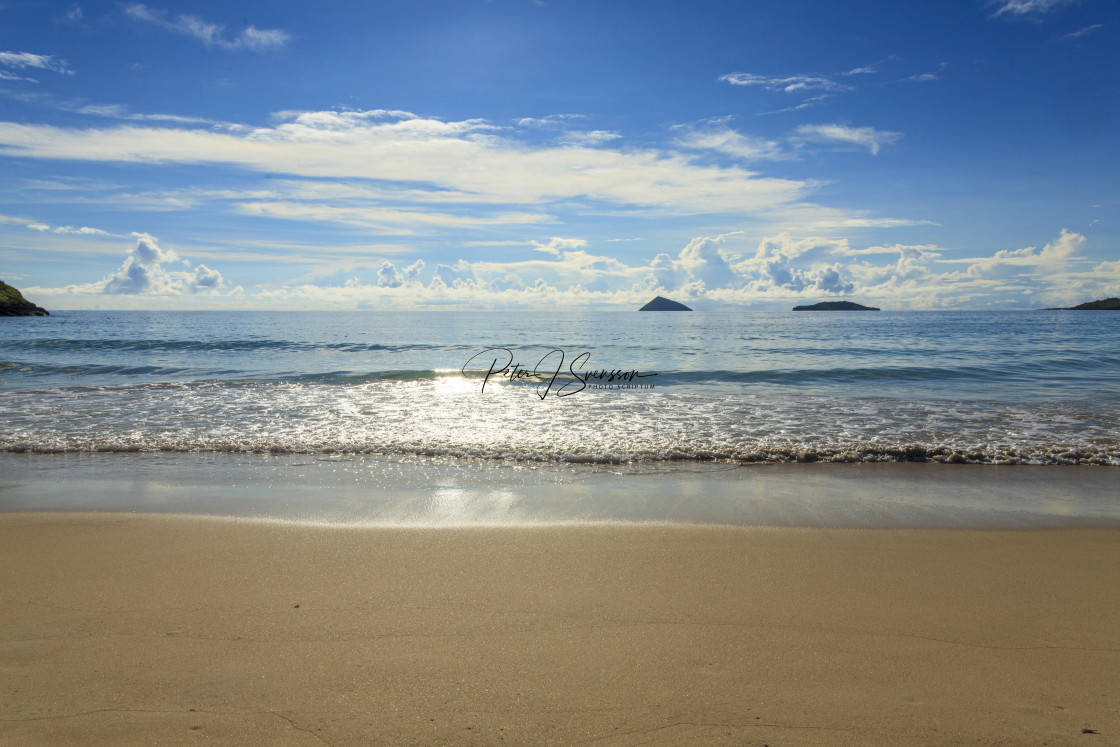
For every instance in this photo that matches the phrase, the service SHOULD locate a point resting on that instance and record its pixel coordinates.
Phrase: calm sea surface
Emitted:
(595, 387)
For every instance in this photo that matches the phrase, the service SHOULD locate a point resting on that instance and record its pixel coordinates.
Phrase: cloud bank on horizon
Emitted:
(521, 156)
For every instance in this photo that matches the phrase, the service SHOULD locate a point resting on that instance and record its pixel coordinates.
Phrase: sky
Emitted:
(512, 154)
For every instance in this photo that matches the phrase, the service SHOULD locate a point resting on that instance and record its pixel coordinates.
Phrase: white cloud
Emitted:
(384, 220)
(1026, 7)
(206, 279)
(210, 34)
(557, 245)
(466, 159)
(143, 273)
(119, 111)
(24, 60)
(5, 75)
(784, 264)
(388, 276)
(20, 60)
(1053, 257)
(1083, 32)
(35, 225)
(929, 76)
(552, 120)
(708, 272)
(861, 137)
(786, 83)
(590, 138)
(459, 275)
(83, 231)
(704, 260)
(722, 139)
(567, 136)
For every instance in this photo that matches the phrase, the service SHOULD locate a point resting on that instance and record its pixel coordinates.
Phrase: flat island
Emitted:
(1106, 304)
(835, 306)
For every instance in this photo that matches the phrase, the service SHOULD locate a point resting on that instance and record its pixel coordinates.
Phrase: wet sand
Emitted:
(137, 629)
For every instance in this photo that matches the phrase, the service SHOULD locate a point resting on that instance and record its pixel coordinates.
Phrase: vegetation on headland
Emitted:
(661, 303)
(1105, 304)
(12, 303)
(836, 306)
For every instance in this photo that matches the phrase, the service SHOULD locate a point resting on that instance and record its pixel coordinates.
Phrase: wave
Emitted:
(758, 453)
(215, 346)
(1056, 371)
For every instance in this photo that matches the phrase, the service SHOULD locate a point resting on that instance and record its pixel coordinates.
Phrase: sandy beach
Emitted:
(139, 629)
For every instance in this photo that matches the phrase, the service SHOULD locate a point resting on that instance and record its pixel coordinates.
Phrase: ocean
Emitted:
(653, 393)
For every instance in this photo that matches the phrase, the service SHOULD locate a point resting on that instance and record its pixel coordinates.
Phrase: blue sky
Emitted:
(519, 154)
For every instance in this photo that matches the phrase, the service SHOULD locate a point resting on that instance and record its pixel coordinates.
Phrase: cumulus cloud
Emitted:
(388, 276)
(210, 34)
(1051, 258)
(704, 260)
(837, 134)
(783, 263)
(707, 266)
(143, 273)
(708, 271)
(459, 275)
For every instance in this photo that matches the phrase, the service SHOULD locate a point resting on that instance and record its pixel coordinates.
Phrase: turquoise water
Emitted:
(596, 387)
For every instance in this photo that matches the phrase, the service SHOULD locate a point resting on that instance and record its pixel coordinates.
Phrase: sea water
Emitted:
(600, 387)
(651, 393)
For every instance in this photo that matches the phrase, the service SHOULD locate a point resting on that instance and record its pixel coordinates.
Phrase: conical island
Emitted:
(12, 303)
(664, 304)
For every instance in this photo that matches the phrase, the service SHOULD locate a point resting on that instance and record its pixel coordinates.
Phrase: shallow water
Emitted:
(418, 492)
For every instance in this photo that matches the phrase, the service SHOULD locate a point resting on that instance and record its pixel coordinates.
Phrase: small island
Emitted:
(835, 306)
(664, 304)
(1106, 304)
(12, 303)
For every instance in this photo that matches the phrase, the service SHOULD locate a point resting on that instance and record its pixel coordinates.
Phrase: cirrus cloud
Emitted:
(843, 135)
(210, 34)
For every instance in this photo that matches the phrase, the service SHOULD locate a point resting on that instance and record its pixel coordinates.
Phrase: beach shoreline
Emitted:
(372, 490)
(136, 628)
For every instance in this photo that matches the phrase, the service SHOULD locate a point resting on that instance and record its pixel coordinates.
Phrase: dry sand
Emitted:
(131, 629)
